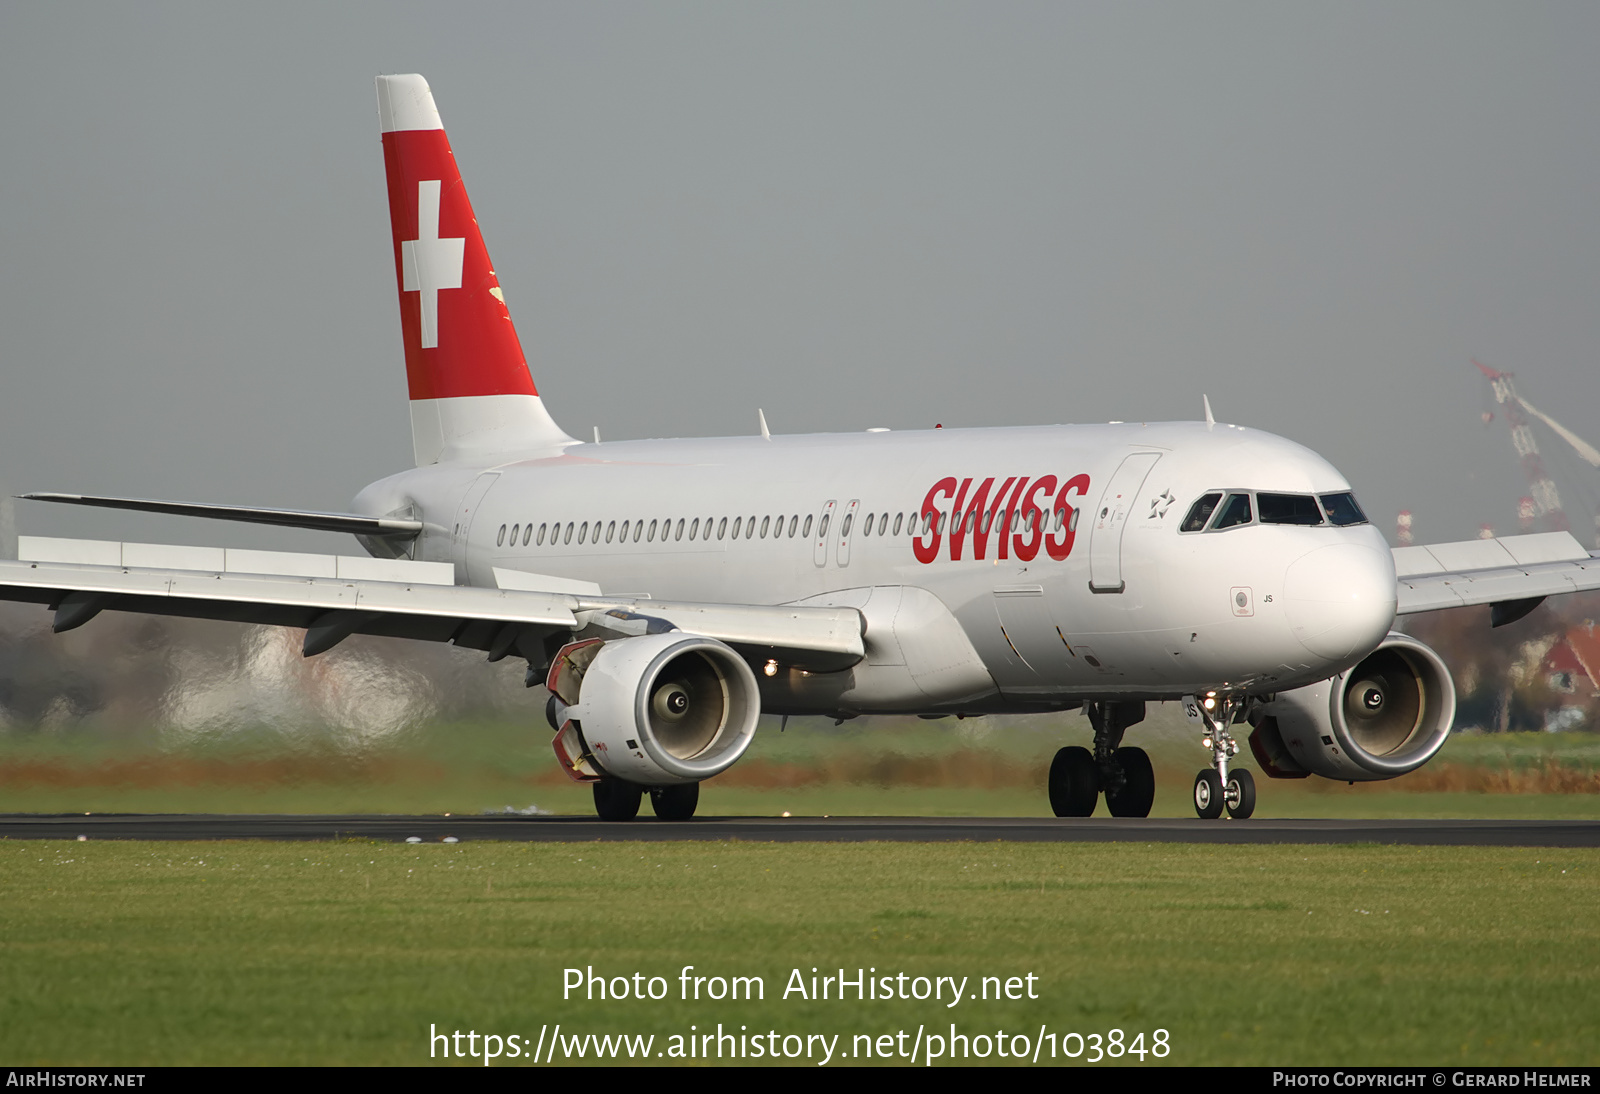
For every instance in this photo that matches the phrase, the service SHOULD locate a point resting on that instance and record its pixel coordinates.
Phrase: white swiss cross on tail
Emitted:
(472, 398)
(431, 263)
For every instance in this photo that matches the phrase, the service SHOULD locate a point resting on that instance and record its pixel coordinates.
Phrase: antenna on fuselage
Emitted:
(1210, 421)
(596, 434)
(766, 434)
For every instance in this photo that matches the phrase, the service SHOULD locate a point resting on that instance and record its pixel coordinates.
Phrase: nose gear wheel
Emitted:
(1218, 788)
(1240, 794)
(1208, 795)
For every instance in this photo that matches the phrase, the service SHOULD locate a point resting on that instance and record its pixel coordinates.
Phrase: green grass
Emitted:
(980, 767)
(345, 953)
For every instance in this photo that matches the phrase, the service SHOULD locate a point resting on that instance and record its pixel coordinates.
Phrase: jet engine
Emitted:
(1383, 718)
(657, 709)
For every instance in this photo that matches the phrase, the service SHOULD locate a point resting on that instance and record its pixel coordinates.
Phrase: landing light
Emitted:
(771, 668)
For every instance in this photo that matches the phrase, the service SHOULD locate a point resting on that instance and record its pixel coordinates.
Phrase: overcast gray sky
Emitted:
(851, 214)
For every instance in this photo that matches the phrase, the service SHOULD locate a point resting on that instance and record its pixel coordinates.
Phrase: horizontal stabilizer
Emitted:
(287, 518)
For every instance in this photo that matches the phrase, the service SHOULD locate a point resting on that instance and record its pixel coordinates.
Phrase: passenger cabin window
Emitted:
(1199, 513)
(1235, 512)
(1343, 510)
(1298, 509)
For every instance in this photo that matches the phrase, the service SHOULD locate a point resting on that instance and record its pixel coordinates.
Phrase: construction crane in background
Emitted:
(1545, 503)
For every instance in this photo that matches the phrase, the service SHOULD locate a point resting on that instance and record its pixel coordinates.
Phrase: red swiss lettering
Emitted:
(1032, 520)
(926, 552)
(1060, 544)
(1006, 515)
(970, 519)
(1012, 514)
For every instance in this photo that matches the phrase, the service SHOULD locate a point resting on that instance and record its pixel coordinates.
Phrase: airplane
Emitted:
(666, 593)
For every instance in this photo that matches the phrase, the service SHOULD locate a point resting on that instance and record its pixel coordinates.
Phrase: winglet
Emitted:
(1210, 421)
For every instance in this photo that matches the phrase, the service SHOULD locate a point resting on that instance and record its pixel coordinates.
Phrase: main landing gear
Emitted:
(618, 800)
(1077, 776)
(1217, 788)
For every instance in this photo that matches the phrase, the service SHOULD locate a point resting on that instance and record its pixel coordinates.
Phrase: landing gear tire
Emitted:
(675, 803)
(1241, 795)
(616, 799)
(1074, 783)
(1208, 799)
(1138, 791)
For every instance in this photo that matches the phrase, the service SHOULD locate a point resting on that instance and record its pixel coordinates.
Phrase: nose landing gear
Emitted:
(1217, 788)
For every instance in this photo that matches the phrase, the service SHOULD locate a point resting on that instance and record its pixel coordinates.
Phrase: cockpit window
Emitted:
(1288, 509)
(1343, 510)
(1200, 513)
(1235, 512)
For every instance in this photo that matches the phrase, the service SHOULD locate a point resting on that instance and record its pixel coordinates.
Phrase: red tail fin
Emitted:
(460, 343)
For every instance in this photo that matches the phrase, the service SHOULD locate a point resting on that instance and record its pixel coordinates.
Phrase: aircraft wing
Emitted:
(332, 597)
(1513, 573)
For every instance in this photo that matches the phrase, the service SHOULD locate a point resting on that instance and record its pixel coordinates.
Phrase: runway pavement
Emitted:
(437, 828)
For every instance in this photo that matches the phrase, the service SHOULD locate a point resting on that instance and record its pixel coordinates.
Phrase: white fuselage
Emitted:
(992, 613)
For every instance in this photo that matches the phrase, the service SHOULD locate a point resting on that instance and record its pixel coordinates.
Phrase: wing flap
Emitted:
(333, 602)
(283, 600)
(1485, 554)
(1492, 571)
(817, 639)
(171, 556)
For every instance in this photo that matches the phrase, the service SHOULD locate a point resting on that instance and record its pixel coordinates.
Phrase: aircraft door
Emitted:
(465, 514)
(819, 544)
(846, 527)
(1111, 520)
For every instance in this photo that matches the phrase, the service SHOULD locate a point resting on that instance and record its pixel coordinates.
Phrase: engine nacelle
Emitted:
(1383, 718)
(658, 709)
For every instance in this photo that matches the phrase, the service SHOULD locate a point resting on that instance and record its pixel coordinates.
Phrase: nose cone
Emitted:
(1340, 599)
